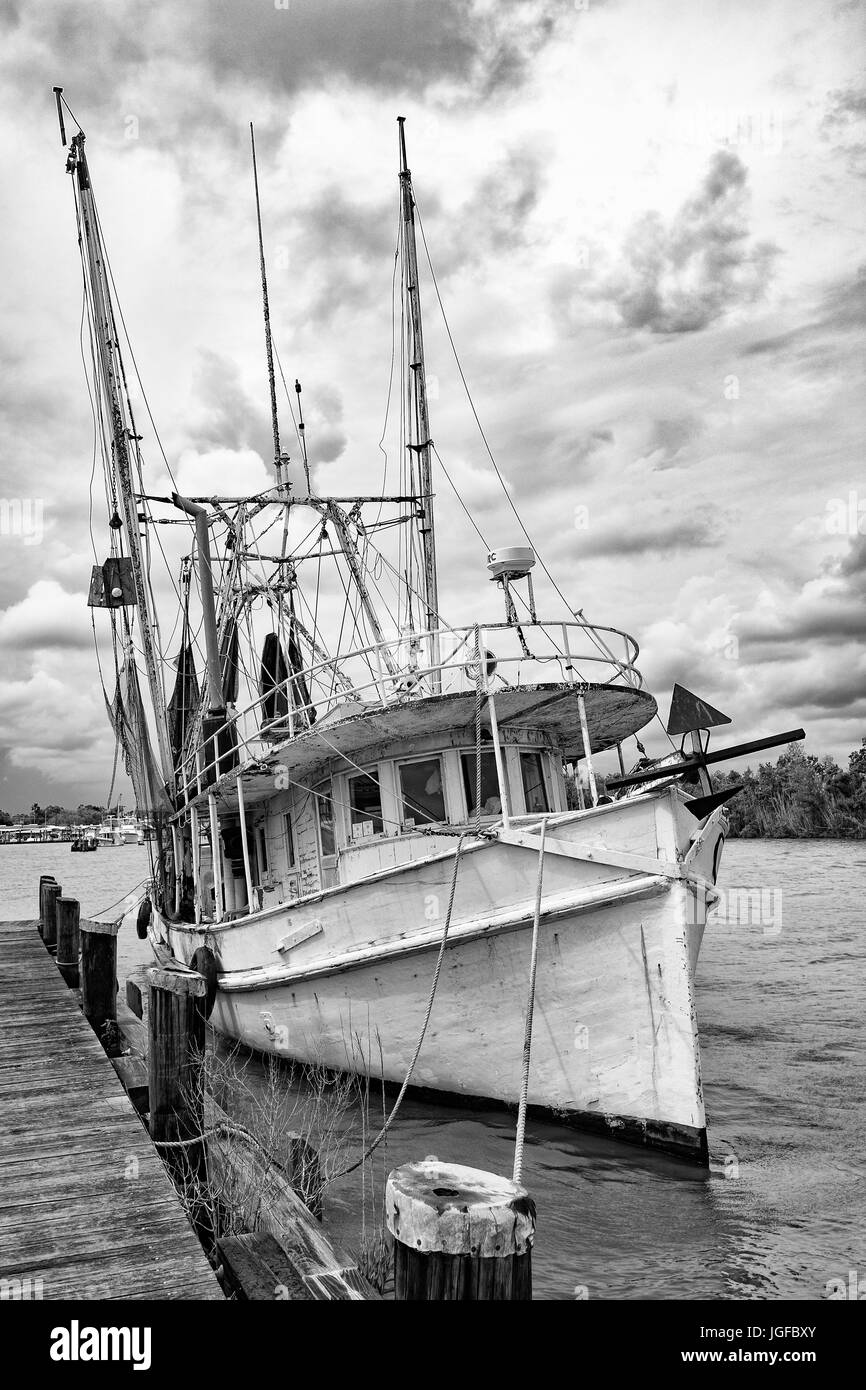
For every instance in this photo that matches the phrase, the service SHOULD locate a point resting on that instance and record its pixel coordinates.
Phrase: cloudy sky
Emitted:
(646, 217)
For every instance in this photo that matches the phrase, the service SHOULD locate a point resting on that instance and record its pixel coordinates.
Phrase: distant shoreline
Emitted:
(852, 838)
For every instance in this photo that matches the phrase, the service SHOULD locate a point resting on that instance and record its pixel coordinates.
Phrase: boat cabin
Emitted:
(369, 786)
(373, 813)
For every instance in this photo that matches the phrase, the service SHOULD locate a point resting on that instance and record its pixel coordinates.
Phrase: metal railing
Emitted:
(398, 672)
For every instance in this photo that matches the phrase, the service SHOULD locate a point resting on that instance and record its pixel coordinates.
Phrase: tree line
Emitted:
(800, 796)
(57, 815)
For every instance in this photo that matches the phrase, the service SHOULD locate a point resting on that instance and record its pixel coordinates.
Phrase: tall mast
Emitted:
(420, 441)
(269, 344)
(119, 430)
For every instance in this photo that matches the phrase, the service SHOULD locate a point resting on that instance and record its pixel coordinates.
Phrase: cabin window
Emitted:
(491, 802)
(262, 842)
(423, 797)
(290, 843)
(534, 790)
(365, 805)
(326, 820)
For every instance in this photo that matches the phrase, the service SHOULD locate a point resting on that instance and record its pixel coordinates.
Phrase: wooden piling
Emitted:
(49, 893)
(175, 1053)
(67, 910)
(99, 975)
(460, 1234)
(43, 879)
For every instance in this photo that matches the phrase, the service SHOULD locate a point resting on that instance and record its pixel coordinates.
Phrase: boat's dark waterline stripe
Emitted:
(681, 1141)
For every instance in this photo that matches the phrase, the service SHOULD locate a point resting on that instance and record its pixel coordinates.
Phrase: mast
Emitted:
(279, 459)
(420, 442)
(120, 431)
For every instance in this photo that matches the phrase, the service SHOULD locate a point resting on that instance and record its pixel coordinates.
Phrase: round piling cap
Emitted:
(444, 1207)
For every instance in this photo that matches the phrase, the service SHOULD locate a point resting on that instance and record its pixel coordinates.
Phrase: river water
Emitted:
(780, 993)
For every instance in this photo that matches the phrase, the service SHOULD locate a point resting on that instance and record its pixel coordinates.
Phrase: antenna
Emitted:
(302, 431)
(279, 458)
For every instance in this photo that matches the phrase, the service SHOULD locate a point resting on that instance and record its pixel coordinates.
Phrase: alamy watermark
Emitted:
(23, 517)
(21, 1289)
(738, 907)
(846, 516)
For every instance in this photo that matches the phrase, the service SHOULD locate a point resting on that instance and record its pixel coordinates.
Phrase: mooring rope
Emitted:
(530, 1008)
(432, 995)
(128, 894)
(221, 1127)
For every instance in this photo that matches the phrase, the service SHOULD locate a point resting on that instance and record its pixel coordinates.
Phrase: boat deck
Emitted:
(87, 1210)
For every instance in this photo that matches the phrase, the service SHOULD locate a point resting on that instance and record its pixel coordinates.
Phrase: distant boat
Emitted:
(130, 832)
(108, 834)
(84, 844)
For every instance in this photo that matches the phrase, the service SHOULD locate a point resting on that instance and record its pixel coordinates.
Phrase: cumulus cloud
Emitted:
(670, 438)
(844, 124)
(393, 46)
(498, 213)
(50, 723)
(234, 472)
(699, 529)
(829, 609)
(326, 438)
(224, 416)
(681, 276)
(47, 617)
(818, 343)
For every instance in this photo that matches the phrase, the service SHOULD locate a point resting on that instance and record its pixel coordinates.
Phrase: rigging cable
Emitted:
(486, 443)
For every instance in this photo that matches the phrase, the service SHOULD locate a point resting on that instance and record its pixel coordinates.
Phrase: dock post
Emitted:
(175, 1054)
(99, 974)
(49, 894)
(43, 879)
(460, 1234)
(68, 940)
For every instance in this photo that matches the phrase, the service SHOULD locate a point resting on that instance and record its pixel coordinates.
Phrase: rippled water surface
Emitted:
(781, 1011)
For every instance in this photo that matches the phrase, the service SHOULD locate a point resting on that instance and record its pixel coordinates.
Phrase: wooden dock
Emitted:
(86, 1206)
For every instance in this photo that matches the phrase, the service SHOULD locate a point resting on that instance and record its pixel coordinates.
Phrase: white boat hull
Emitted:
(347, 974)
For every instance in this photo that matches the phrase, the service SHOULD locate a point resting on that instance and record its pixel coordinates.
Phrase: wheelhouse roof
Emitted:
(356, 732)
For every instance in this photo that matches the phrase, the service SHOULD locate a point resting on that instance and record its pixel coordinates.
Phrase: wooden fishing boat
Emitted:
(364, 814)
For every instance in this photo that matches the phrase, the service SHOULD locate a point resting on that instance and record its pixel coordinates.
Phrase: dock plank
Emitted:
(85, 1202)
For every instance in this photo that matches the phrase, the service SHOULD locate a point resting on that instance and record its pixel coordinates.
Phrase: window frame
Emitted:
(545, 781)
(365, 775)
(400, 763)
(462, 755)
(324, 791)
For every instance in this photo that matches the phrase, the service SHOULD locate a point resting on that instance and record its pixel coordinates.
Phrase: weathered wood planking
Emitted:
(85, 1203)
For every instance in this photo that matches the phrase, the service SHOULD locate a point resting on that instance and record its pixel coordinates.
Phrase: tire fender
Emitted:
(204, 961)
(142, 922)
